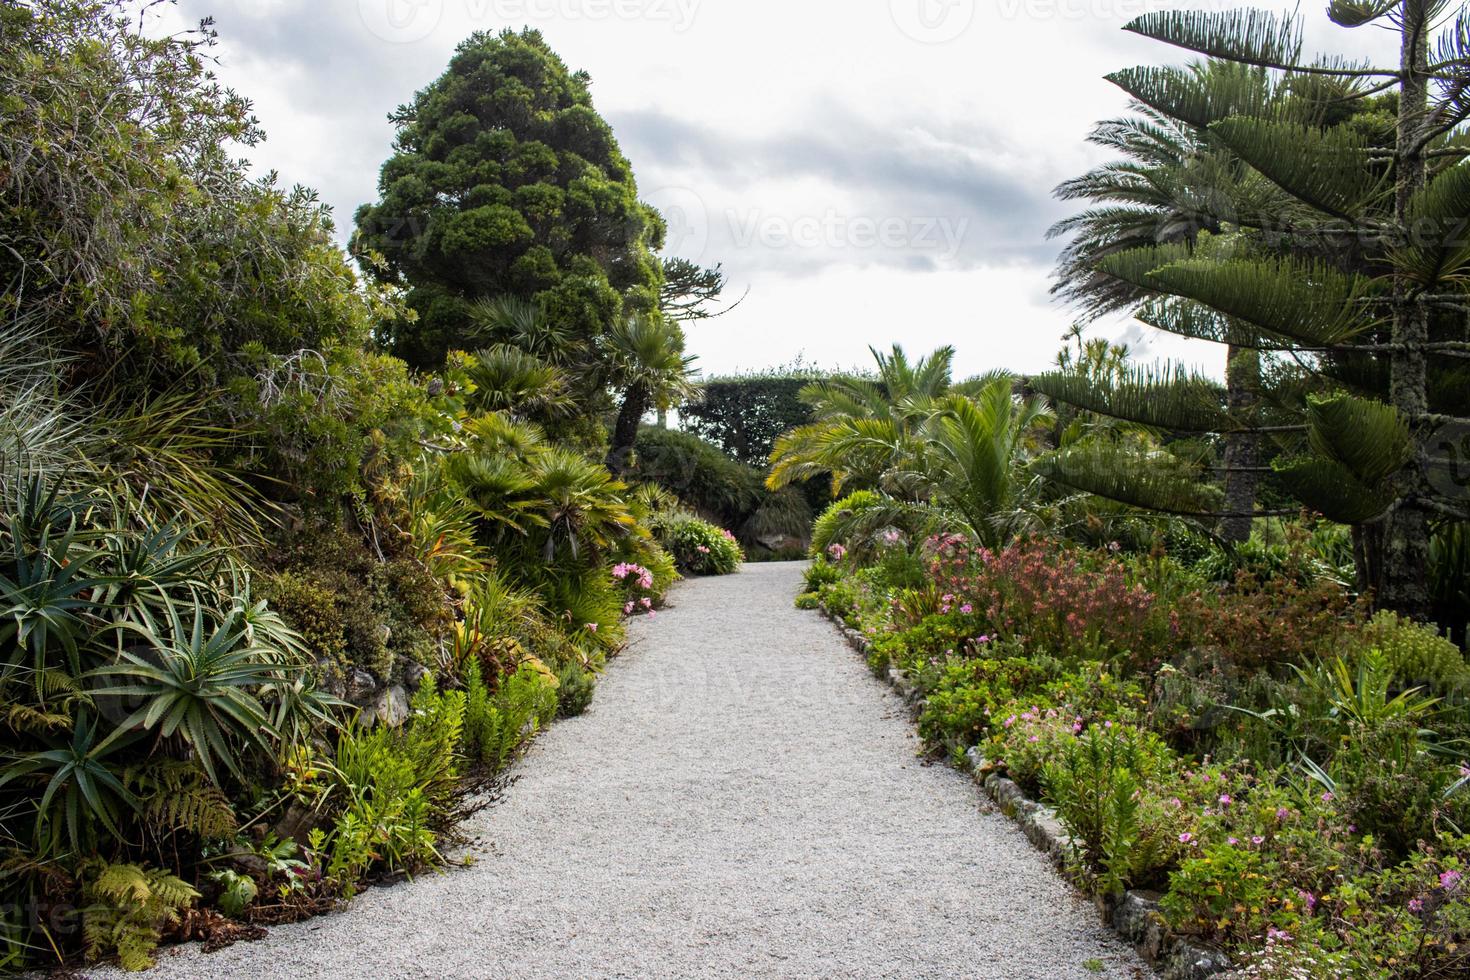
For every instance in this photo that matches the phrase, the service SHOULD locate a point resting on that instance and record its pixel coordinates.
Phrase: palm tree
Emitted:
(653, 371)
(864, 425)
(942, 455)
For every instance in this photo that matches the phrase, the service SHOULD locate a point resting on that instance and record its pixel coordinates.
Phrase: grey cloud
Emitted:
(968, 202)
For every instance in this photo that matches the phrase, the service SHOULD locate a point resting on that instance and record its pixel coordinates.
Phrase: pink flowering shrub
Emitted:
(637, 584)
(1044, 595)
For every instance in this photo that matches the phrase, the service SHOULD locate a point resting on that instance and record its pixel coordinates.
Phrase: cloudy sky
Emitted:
(870, 170)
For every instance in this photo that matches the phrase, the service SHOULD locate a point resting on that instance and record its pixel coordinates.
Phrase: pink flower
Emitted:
(1308, 899)
(1450, 880)
(1009, 721)
(1225, 799)
(1232, 841)
(628, 609)
(592, 627)
(1282, 813)
(1258, 841)
(967, 609)
(1185, 838)
(1416, 905)
(646, 602)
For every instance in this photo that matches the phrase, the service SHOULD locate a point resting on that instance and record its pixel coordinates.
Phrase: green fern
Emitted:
(128, 908)
(177, 796)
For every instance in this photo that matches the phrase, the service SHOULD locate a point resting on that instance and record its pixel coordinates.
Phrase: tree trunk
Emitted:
(625, 430)
(1405, 559)
(1242, 449)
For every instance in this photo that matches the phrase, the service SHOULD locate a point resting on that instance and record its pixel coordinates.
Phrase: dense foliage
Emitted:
(1280, 205)
(507, 183)
(1291, 775)
(274, 607)
(745, 414)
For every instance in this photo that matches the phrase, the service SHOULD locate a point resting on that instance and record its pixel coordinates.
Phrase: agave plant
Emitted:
(201, 685)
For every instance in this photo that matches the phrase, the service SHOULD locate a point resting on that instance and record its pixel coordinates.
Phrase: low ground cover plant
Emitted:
(1289, 773)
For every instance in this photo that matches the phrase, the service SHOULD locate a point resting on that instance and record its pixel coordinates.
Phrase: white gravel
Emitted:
(742, 800)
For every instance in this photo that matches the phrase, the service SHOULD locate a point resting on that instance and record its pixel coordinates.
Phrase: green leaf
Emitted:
(1153, 480)
(1356, 13)
(1308, 302)
(1331, 489)
(1253, 37)
(1196, 98)
(1326, 169)
(1369, 438)
(1170, 397)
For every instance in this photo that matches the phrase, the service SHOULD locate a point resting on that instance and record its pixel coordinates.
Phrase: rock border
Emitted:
(1135, 916)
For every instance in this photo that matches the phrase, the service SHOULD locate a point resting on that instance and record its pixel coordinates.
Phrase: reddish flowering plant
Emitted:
(1056, 599)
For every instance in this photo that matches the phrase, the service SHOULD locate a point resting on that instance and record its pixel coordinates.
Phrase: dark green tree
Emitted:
(1352, 266)
(505, 182)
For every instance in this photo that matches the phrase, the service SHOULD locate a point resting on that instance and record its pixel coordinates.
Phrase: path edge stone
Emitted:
(1135, 917)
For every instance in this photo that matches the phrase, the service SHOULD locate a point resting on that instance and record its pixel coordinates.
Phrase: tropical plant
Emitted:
(1278, 276)
(652, 370)
(944, 460)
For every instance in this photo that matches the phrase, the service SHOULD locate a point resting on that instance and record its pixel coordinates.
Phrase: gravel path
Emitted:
(742, 800)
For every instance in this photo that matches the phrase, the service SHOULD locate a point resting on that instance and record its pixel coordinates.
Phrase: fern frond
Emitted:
(178, 796)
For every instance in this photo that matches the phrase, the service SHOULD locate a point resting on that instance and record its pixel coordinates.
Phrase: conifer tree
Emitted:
(1341, 249)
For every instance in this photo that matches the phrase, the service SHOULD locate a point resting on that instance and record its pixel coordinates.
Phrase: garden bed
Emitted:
(1135, 916)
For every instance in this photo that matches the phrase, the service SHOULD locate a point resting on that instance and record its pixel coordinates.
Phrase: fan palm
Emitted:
(509, 379)
(864, 427)
(652, 370)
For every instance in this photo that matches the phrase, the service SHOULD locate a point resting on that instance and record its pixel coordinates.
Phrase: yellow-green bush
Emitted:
(1417, 653)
